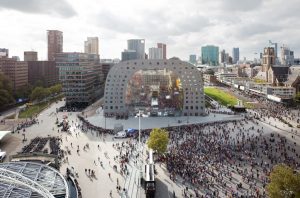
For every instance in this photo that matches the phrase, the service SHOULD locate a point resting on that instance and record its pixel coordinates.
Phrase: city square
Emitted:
(98, 152)
(149, 99)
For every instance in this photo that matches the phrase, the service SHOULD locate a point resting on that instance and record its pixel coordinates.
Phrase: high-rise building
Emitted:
(210, 55)
(79, 74)
(155, 53)
(17, 71)
(129, 55)
(30, 56)
(193, 59)
(235, 55)
(164, 49)
(222, 58)
(55, 43)
(4, 52)
(137, 45)
(44, 72)
(91, 45)
(287, 56)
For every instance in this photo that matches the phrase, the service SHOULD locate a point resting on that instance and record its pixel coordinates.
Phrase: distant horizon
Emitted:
(183, 26)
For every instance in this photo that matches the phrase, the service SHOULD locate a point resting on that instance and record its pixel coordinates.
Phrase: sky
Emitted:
(184, 25)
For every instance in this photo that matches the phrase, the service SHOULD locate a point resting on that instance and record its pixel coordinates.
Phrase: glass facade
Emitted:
(210, 55)
(78, 73)
(157, 92)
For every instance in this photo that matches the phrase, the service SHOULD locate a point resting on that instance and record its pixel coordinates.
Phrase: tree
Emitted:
(284, 183)
(23, 92)
(158, 140)
(5, 83)
(39, 93)
(5, 91)
(55, 89)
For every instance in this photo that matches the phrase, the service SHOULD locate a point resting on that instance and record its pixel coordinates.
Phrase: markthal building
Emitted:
(157, 87)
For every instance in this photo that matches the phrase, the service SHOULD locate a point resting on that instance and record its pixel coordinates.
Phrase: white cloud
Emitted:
(184, 26)
(54, 7)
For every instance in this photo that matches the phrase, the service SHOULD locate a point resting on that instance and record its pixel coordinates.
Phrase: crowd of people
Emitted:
(229, 158)
(27, 123)
(87, 126)
(279, 111)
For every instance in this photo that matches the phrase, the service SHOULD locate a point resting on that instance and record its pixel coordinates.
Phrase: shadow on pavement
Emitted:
(162, 190)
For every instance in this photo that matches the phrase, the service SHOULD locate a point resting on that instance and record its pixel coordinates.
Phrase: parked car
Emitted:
(121, 134)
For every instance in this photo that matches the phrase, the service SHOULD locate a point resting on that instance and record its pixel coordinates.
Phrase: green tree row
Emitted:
(6, 95)
(40, 93)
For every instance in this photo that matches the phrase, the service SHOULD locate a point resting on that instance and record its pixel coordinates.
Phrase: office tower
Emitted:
(30, 56)
(106, 65)
(235, 55)
(210, 55)
(129, 55)
(287, 56)
(91, 45)
(268, 58)
(222, 58)
(17, 71)
(44, 72)
(4, 52)
(79, 74)
(230, 60)
(155, 53)
(17, 58)
(137, 45)
(164, 49)
(193, 59)
(226, 58)
(55, 43)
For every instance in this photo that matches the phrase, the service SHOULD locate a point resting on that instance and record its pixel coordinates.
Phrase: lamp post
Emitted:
(140, 152)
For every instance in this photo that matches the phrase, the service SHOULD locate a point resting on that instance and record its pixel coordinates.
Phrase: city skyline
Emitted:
(184, 27)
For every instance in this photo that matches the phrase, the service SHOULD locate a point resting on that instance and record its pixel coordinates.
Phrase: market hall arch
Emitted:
(120, 74)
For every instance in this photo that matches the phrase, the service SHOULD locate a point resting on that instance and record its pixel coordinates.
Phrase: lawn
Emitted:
(220, 96)
(31, 111)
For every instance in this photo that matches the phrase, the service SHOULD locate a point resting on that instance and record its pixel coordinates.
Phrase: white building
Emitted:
(287, 56)
(155, 53)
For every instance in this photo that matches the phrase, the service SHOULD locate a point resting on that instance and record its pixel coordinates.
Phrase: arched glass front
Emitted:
(156, 92)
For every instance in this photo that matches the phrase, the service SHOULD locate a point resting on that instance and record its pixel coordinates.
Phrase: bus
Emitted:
(150, 186)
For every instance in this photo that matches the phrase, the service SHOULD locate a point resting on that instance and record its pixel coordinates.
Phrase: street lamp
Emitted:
(140, 152)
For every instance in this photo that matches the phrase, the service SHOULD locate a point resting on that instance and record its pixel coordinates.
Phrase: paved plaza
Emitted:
(95, 149)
